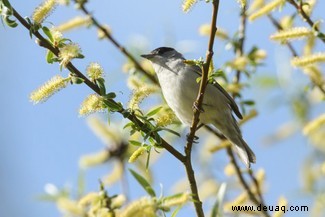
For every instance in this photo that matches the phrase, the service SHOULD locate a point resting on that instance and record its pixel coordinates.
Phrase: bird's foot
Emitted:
(194, 139)
(196, 107)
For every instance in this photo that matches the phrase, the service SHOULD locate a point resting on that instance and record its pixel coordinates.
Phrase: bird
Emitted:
(178, 82)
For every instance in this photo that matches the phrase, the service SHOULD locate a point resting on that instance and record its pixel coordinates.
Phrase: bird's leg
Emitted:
(194, 140)
(195, 106)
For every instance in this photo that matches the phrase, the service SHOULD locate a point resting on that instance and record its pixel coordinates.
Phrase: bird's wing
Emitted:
(230, 100)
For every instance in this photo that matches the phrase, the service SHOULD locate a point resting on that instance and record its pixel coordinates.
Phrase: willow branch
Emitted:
(240, 52)
(123, 50)
(44, 43)
(307, 18)
(241, 39)
(279, 27)
(196, 116)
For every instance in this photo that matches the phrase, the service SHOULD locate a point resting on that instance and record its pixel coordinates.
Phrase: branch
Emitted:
(307, 18)
(44, 43)
(279, 27)
(242, 35)
(244, 183)
(240, 176)
(109, 37)
(240, 52)
(196, 116)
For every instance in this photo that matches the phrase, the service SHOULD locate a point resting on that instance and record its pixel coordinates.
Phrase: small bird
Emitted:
(179, 85)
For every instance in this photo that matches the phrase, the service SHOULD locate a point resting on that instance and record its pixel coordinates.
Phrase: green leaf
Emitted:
(9, 22)
(154, 111)
(148, 157)
(128, 125)
(48, 33)
(6, 3)
(49, 57)
(248, 102)
(112, 105)
(176, 211)
(135, 143)
(77, 80)
(217, 207)
(171, 131)
(101, 85)
(144, 183)
(110, 95)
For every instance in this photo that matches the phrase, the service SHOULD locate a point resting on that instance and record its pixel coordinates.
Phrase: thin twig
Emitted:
(244, 183)
(43, 42)
(307, 18)
(279, 27)
(196, 115)
(241, 39)
(110, 37)
(239, 53)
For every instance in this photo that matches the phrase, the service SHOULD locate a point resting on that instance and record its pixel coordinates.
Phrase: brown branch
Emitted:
(44, 43)
(123, 50)
(196, 116)
(279, 27)
(307, 18)
(240, 52)
(241, 41)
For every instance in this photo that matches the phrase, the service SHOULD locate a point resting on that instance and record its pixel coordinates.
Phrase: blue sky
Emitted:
(42, 144)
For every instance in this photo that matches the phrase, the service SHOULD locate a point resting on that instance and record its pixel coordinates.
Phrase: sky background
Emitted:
(42, 144)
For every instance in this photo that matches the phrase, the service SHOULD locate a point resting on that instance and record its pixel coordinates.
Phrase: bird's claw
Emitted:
(194, 140)
(196, 107)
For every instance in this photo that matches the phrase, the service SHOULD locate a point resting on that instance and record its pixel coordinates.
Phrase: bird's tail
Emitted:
(232, 132)
(244, 152)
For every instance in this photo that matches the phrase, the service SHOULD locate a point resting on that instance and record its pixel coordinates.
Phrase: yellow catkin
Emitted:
(308, 6)
(110, 135)
(140, 94)
(314, 74)
(94, 71)
(266, 9)
(70, 207)
(88, 199)
(308, 60)
(314, 125)
(188, 5)
(68, 52)
(229, 170)
(52, 86)
(224, 144)
(101, 34)
(286, 22)
(292, 33)
(115, 175)
(95, 159)
(256, 4)
(309, 46)
(74, 23)
(142, 207)
(93, 103)
(136, 154)
(239, 200)
(43, 11)
(166, 118)
(281, 202)
(176, 201)
(242, 3)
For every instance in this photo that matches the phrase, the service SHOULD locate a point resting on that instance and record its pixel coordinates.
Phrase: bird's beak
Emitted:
(148, 56)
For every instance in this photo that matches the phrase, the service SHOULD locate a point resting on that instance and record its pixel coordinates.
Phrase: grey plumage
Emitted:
(180, 89)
